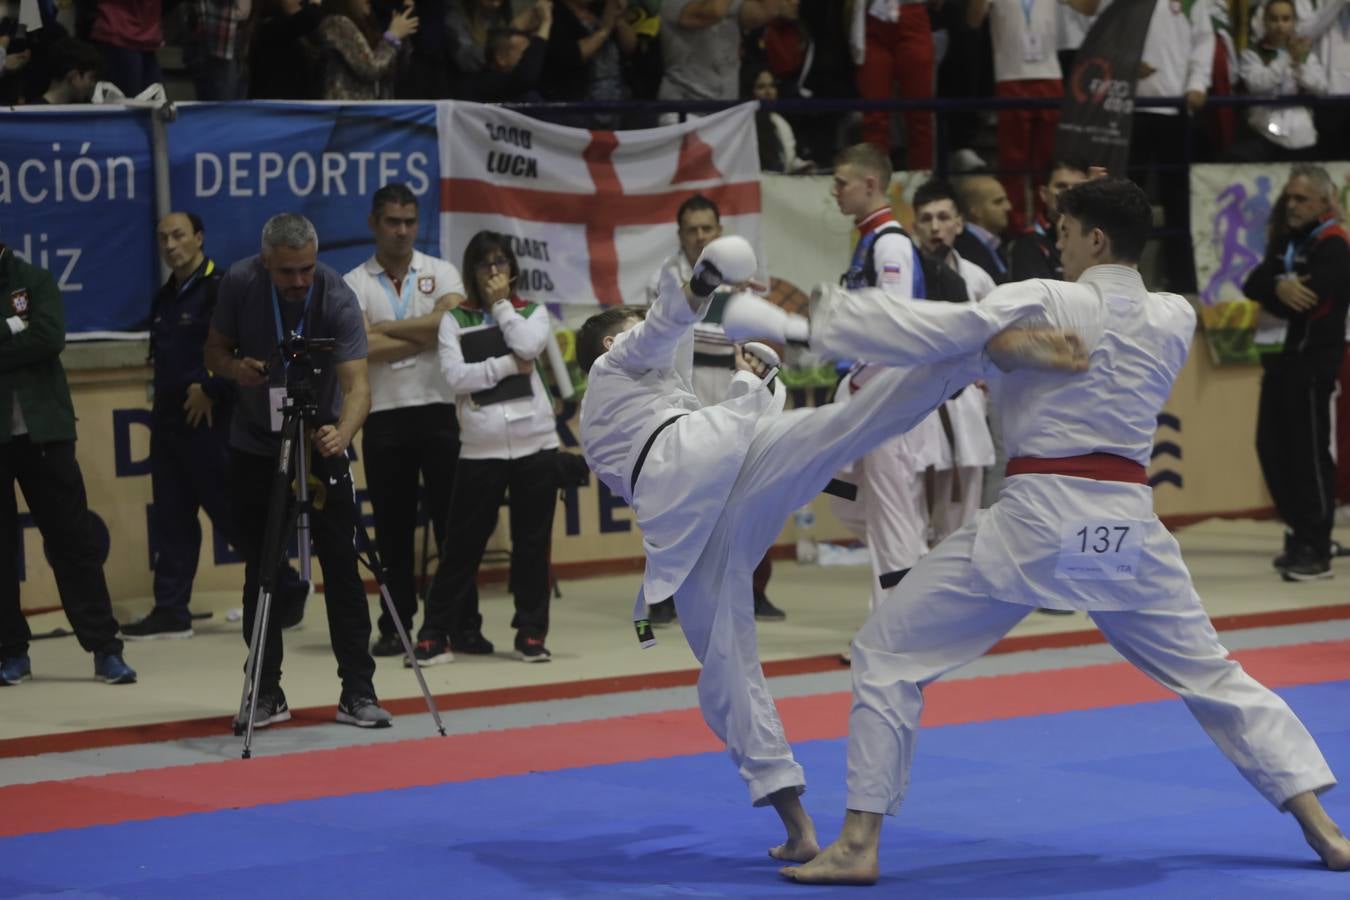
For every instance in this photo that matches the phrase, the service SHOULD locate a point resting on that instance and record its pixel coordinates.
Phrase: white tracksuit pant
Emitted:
(791, 458)
(934, 622)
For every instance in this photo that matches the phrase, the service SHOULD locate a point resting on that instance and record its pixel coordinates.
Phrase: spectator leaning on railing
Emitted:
(1281, 62)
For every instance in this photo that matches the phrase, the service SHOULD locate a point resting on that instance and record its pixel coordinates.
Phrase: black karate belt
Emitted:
(715, 360)
(647, 448)
(844, 490)
(891, 579)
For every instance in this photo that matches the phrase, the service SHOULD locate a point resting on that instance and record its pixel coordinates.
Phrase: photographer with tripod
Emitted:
(276, 314)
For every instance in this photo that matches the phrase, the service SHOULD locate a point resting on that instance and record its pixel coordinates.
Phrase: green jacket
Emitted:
(30, 361)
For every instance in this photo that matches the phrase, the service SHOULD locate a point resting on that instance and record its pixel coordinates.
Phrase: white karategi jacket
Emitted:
(1028, 547)
(654, 362)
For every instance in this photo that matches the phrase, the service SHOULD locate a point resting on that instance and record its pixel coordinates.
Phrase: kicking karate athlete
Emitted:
(710, 486)
(1073, 528)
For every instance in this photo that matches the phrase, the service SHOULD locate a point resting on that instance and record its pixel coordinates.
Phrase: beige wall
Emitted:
(1216, 408)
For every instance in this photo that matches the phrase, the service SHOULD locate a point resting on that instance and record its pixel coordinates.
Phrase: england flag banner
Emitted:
(591, 213)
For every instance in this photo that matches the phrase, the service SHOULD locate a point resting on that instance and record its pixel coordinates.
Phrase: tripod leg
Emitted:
(255, 676)
(377, 570)
(253, 647)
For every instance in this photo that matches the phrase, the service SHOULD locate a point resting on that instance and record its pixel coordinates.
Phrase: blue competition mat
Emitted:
(1123, 802)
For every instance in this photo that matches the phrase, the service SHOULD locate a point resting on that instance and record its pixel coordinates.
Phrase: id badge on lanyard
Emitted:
(1033, 46)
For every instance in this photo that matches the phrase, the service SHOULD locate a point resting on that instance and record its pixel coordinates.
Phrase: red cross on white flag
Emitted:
(592, 212)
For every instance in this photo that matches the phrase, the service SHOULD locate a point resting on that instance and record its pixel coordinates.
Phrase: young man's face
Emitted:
(1078, 251)
(1304, 204)
(179, 244)
(292, 269)
(82, 85)
(1060, 181)
(854, 191)
(1279, 22)
(698, 228)
(395, 230)
(937, 224)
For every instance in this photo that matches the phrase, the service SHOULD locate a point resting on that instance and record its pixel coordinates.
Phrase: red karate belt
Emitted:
(1097, 466)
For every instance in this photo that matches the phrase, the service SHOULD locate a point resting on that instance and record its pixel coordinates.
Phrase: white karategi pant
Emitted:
(791, 458)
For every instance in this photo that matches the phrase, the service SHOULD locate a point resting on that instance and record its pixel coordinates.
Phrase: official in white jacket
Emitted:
(488, 347)
(1073, 527)
(711, 485)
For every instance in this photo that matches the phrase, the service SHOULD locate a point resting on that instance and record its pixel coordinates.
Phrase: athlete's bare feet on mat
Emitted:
(1321, 832)
(801, 844)
(837, 864)
(800, 850)
(852, 859)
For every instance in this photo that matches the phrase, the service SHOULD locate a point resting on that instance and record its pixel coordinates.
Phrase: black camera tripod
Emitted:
(288, 515)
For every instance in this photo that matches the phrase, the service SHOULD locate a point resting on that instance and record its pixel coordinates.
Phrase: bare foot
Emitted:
(1333, 848)
(837, 864)
(800, 850)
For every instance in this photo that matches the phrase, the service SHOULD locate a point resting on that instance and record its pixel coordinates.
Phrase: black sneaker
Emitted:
(531, 649)
(662, 613)
(1281, 562)
(159, 625)
(431, 652)
(472, 643)
(1306, 565)
(765, 611)
(272, 709)
(387, 645)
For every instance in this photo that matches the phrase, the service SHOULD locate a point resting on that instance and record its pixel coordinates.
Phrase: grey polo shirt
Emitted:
(700, 63)
(246, 314)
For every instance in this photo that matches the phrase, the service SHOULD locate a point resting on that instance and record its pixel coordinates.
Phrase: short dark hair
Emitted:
(1071, 165)
(1117, 206)
(592, 333)
(395, 193)
(480, 245)
(498, 39)
(932, 191)
(694, 204)
(70, 54)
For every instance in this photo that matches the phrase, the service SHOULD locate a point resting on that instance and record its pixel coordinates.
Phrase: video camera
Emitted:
(297, 356)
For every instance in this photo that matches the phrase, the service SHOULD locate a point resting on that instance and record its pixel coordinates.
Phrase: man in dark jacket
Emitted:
(1304, 281)
(37, 449)
(1034, 254)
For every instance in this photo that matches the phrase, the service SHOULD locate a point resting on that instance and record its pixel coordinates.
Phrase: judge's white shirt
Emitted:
(413, 380)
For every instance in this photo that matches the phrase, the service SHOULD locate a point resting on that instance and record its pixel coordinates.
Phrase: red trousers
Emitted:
(900, 54)
(1026, 143)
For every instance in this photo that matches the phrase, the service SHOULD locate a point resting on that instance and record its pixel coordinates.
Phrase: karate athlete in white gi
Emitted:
(1073, 528)
(965, 447)
(710, 486)
(891, 506)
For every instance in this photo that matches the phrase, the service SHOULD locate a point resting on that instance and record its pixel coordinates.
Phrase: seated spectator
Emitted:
(12, 62)
(515, 61)
(586, 56)
(74, 67)
(777, 143)
(1281, 62)
(359, 62)
(283, 59)
(470, 21)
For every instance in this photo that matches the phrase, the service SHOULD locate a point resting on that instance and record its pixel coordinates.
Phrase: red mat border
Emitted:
(187, 729)
(234, 784)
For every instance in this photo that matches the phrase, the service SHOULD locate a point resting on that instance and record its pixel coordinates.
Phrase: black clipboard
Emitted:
(482, 342)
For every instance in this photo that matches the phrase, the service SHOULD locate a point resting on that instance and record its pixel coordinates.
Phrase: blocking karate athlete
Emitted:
(710, 486)
(1073, 528)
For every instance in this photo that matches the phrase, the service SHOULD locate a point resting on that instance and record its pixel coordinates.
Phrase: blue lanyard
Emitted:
(1290, 250)
(1027, 7)
(398, 302)
(299, 326)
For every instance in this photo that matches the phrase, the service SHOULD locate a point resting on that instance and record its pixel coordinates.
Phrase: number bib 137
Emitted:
(1100, 550)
